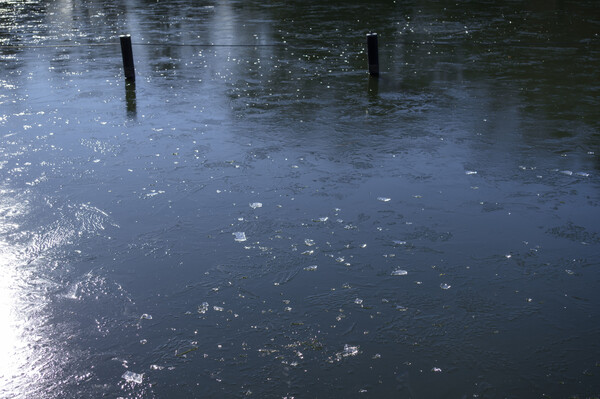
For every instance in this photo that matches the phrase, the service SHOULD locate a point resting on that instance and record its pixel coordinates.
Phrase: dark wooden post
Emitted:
(127, 57)
(373, 54)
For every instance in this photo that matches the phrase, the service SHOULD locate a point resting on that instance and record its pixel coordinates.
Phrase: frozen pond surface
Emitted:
(257, 217)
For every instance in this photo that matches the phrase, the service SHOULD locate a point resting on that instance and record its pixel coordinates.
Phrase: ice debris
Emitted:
(350, 350)
(203, 308)
(130, 376)
(240, 236)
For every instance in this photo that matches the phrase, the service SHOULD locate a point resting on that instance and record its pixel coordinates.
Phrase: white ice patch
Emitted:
(130, 376)
(239, 236)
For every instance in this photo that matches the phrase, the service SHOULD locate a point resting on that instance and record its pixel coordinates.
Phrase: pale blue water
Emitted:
(258, 217)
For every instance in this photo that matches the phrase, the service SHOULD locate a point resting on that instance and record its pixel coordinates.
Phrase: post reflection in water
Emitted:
(130, 99)
(373, 86)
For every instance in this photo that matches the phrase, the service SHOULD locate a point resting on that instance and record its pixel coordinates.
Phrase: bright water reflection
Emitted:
(28, 353)
(265, 220)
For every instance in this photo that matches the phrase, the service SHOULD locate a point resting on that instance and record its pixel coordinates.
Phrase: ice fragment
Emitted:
(203, 308)
(130, 376)
(350, 350)
(240, 236)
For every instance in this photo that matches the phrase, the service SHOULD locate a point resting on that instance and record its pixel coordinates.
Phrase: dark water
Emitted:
(431, 233)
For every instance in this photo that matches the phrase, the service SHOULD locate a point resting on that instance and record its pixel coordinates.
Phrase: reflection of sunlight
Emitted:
(9, 337)
(9, 323)
(19, 358)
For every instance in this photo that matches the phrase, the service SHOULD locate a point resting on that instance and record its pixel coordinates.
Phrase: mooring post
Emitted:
(127, 57)
(373, 54)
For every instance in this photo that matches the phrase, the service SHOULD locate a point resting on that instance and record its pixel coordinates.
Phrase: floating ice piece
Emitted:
(311, 268)
(445, 286)
(384, 199)
(146, 316)
(240, 236)
(203, 308)
(436, 370)
(130, 376)
(309, 243)
(399, 272)
(471, 172)
(218, 308)
(255, 205)
(350, 350)
(358, 301)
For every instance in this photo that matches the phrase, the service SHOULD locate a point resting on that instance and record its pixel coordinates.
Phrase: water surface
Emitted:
(258, 217)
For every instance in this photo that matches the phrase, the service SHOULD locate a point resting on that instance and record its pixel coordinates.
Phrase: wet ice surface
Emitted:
(252, 220)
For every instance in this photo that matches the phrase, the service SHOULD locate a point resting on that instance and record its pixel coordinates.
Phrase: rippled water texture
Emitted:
(256, 216)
